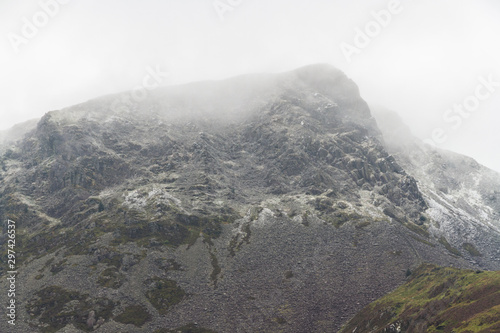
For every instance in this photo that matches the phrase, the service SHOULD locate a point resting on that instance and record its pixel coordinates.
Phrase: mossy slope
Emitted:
(436, 300)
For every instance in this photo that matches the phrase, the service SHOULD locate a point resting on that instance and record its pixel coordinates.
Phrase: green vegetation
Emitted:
(254, 213)
(113, 259)
(362, 225)
(305, 218)
(173, 231)
(448, 246)
(330, 213)
(215, 268)
(423, 241)
(164, 232)
(436, 299)
(164, 294)
(135, 315)
(417, 229)
(472, 250)
(58, 267)
(111, 278)
(168, 264)
(53, 239)
(338, 219)
(56, 307)
(324, 205)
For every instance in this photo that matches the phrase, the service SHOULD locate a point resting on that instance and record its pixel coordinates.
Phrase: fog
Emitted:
(433, 62)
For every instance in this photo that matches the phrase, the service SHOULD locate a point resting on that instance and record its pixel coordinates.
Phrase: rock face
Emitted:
(262, 203)
(462, 195)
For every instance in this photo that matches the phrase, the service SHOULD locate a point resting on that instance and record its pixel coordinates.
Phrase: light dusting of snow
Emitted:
(265, 218)
(133, 200)
(139, 199)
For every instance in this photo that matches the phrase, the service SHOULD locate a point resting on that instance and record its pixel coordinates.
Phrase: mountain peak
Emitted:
(318, 71)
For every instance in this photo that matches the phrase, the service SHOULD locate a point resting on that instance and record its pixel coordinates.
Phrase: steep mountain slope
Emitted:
(463, 196)
(262, 203)
(9, 136)
(436, 300)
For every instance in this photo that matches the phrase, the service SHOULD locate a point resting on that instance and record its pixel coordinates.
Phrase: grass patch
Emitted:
(417, 229)
(437, 299)
(53, 239)
(362, 225)
(56, 268)
(215, 268)
(55, 307)
(338, 219)
(167, 234)
(111, 278)
(114, 259)
(135, 315)
(472, 250)
(173, 230)
(305, 218)
(423, 241)
(448, 247)
(164, 293)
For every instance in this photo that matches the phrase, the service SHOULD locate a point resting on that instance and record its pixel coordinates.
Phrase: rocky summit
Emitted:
(261, 203)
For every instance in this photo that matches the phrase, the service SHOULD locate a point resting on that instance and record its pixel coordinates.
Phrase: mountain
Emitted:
(436, 299)
(15, 133)
(463, 196)
(261, 203)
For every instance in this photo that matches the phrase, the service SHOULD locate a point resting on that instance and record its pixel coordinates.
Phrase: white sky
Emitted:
(428, 57)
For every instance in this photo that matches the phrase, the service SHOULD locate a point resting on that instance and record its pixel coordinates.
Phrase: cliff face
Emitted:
(259, 203)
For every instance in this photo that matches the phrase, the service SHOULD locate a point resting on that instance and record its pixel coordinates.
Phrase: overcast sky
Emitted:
(434, 62)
